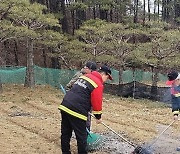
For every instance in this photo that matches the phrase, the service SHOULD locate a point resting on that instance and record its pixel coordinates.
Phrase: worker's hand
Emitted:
(98, 121)
(175, 117)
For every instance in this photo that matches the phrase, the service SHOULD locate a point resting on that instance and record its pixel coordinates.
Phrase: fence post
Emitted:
(1, 89)
(134, 83)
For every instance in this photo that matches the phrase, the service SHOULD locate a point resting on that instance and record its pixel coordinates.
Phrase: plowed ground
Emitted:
(30, 120)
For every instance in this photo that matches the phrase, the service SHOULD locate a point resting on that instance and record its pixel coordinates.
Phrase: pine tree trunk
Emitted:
(55, 61)
(176, 11)
(29, 79)
(117, 16)
(64, 21)
(80, 17)
(73, 23)
(103, 14)
(44, 58)
(154, 10)
(47, 4)
(134, 83)
(16, 53)
(94, 12)
(116, 13)
(120, 75)
(168, 11)
(111, 15)
(155, 78)
(7, 53)
(120, 85)
(154, 89)
(158, 8)
(163, 10)
(135, 11)
(149, 11)
(144, 12)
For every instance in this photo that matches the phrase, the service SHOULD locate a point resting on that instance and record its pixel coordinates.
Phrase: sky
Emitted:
(151, 5)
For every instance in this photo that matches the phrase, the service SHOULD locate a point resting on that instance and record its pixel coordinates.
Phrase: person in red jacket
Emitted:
(85, 94)
(174, 83)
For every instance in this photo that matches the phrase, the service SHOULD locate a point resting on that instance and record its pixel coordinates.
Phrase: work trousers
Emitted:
(70, 123)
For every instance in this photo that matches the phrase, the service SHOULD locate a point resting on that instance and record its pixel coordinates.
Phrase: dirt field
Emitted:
(30, 123)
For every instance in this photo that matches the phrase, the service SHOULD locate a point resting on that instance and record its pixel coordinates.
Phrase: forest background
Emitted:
(125, 34)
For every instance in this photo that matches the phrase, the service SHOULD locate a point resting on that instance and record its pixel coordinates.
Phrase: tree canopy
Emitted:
(108, 31)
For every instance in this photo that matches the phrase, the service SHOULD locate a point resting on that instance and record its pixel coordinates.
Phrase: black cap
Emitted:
(107, 70)
(172, 75)
(91, 65)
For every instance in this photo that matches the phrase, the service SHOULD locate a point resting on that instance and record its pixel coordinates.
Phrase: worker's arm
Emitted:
(96, 101)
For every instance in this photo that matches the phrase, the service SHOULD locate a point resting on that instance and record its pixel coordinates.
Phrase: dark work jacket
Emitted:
(85, 94)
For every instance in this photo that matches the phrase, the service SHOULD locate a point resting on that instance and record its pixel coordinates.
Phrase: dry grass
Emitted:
(39, 132)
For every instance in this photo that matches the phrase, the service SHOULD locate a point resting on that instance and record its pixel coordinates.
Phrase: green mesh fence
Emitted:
(137, 75)
(55, 77)
(12, 74)
(129, 76)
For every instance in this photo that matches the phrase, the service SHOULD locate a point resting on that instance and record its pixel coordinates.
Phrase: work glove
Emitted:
(175, 117)
(98, 121)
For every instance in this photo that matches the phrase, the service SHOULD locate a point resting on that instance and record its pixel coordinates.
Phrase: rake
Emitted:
(94, 141)
(114, 132)
(145, 150)
(137, 149)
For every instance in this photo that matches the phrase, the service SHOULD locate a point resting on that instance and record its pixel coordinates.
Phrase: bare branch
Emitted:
(63, 59)
(88, 42)
(5, 39)
(22, 22)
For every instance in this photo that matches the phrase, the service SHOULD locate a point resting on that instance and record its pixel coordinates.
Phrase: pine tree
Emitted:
(31, 25)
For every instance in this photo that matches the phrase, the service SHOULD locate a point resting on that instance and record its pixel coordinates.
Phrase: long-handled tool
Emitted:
(63, 89)
(114, 131)
(141, 150)
(138, 149)
(94, 141)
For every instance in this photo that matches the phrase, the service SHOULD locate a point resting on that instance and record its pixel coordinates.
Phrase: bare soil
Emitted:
(30, 123)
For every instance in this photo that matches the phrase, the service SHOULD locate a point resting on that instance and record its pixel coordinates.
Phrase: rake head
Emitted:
(141, 150)
(94, 141)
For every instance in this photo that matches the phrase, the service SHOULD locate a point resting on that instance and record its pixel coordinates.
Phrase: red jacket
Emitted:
(86, 94)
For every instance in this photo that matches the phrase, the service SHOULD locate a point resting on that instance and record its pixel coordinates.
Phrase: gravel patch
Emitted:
(114, 145)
